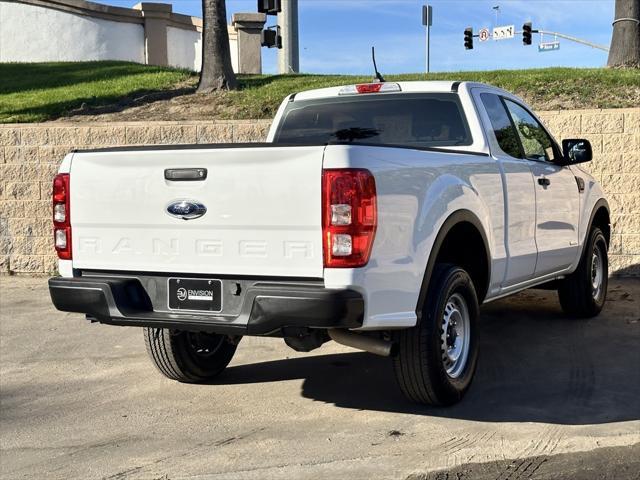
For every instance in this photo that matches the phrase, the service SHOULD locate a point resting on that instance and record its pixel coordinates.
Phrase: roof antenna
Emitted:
(379, 77)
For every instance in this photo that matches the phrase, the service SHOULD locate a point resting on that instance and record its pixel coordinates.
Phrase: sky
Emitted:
(336, 35)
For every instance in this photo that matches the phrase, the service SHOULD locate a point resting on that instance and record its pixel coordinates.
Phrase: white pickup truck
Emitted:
(376, 215)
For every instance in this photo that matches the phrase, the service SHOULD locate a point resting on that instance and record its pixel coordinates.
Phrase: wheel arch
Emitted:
(460, 226)
(601, 217)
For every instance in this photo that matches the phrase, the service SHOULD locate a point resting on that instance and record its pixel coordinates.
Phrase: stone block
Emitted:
(615, 247)
(53, 154)
(250, 132)
(12, 209)
(621, 182)
(215, 133)
(563, 124)
(37, 136)
(626, 224)
(624, 203)
(143, 135)
(619, 142)
(178, 134)
(630, 162)
(632, 121)
(46, 189)
(33, 245)
(4, 264)
(30, 227)
(26, 264)
(37, 209)
(602, 122)
(21, 154)
(9, 136)
(630, 244)
(50, 264)
(625, 162)
(21, 191)
(627, 265)
(70, 136)
(107, 135)
(12, 172)
(43, 172)
(6, 245)
(603, 163)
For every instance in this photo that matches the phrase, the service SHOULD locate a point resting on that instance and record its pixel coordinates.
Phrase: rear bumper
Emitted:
(268, 308)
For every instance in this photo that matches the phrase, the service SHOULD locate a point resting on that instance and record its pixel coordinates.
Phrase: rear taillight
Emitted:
(61, 216)
(349, 217)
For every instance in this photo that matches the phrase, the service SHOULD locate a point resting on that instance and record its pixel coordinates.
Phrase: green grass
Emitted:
(44, 91)
(35, 92)
(543, 88)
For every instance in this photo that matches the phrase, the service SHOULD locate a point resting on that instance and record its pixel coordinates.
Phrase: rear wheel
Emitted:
(189, 357)
(437, 358)
(583, 293)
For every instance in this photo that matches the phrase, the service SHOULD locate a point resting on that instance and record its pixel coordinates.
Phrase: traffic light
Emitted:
(270, 7)
(526, 33)
(271, 37)
(468, 38)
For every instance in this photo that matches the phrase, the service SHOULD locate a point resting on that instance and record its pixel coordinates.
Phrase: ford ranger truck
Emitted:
(379, 216)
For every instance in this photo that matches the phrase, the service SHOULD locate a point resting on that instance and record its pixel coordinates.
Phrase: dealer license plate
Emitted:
(195, 294)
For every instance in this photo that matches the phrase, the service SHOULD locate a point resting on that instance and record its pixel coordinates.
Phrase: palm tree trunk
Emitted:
(625, 42)
(217, 72)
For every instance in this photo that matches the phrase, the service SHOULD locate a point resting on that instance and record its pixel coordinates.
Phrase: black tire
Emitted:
(189, 357)
(421, 363)
(577, 294)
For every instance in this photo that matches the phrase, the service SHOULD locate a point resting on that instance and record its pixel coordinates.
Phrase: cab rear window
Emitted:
(410, 120)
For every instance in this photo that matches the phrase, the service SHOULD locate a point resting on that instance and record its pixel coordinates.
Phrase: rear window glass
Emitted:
(412, 120)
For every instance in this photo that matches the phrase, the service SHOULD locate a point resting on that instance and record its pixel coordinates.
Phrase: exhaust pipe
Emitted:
(359, 341)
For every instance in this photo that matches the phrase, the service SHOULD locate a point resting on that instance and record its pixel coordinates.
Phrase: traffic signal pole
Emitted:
(573, 39)
(289, 55)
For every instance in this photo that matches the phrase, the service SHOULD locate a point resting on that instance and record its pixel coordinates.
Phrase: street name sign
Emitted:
(549, 46)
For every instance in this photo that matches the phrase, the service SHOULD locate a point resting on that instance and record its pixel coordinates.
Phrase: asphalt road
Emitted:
(553, 398)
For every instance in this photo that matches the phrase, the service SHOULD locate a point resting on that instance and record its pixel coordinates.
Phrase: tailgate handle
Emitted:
(185, 174)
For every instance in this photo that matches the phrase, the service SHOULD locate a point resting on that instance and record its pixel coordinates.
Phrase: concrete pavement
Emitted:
(83, 401)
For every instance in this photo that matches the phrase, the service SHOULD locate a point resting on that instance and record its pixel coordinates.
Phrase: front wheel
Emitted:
(437, 358)
(583, 293)
(189, 357)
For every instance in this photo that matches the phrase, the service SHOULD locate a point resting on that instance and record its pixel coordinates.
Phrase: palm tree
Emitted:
(217, 72)
(625, 42)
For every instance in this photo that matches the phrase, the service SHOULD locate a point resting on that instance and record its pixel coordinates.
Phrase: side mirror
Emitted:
(576, 150)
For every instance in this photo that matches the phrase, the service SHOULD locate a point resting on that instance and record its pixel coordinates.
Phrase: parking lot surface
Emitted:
(552, 398)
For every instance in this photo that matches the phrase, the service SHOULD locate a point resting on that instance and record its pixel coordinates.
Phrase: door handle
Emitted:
(545, 182)
(185, 174)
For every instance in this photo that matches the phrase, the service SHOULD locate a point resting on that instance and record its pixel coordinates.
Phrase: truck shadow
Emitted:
(535, 366)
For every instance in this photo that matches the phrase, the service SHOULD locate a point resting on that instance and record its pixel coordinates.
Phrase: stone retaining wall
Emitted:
(30, 155)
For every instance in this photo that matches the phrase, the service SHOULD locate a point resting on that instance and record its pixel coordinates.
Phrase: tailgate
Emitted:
(263, 211)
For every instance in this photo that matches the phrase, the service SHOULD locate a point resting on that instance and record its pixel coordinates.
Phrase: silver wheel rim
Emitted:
(456, 335)
(597, 273)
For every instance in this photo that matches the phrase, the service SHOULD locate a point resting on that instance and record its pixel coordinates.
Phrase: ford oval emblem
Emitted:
(186, 209)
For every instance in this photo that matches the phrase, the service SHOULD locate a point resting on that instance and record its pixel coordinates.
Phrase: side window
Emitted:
(536, 143)
(502, 127)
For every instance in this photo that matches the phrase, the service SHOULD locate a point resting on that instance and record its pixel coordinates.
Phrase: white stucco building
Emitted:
(75, 30)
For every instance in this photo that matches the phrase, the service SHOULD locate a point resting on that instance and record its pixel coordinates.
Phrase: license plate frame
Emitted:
(200, 295)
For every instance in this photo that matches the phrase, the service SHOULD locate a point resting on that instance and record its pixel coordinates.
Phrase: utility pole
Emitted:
(289, 55)
(427, 21)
